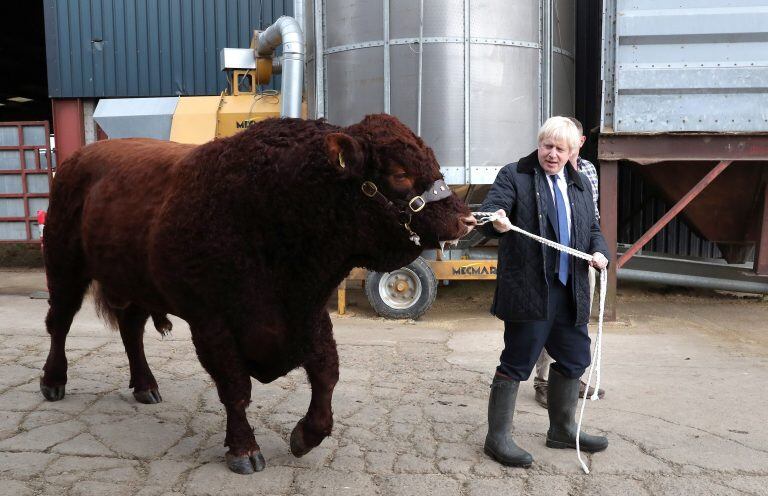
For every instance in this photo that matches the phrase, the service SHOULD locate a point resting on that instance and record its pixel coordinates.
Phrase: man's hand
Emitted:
(598, 261)
(502, 223)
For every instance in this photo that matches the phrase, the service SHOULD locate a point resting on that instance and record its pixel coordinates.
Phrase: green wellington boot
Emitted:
(501, 411)
(563, 396)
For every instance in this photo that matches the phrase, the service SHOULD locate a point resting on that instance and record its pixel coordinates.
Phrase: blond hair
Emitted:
(559, 128)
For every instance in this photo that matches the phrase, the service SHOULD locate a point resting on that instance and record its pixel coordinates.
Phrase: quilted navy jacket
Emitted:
(526, 267)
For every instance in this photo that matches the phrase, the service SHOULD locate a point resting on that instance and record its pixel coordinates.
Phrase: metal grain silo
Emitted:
(475, 78)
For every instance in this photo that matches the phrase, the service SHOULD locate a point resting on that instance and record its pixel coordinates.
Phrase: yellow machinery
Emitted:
(199, 119)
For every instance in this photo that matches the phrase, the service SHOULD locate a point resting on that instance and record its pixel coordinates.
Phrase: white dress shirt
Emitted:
(563, 186)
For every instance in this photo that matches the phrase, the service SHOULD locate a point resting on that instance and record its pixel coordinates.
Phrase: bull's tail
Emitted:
(109, 309)
(106, 309)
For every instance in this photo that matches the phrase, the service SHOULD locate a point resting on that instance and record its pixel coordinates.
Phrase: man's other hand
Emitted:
(598, 261)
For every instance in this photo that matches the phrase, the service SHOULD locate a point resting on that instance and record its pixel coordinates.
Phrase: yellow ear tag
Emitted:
(341, 161)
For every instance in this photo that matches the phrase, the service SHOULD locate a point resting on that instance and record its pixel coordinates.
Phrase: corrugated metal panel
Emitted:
(103, 48)
(691, 65)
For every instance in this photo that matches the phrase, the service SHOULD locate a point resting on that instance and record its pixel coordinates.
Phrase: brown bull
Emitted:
(245, 238)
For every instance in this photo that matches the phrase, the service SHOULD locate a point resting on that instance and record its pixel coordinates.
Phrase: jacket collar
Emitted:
(527, 164)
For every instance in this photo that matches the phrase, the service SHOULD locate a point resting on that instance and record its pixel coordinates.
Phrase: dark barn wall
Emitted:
(22, 63)
(641, 206)
(142, 48)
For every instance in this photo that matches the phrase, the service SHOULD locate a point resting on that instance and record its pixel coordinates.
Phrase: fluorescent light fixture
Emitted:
(19, 99)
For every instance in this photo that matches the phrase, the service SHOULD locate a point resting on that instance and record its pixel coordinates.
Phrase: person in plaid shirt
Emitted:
(540, 382)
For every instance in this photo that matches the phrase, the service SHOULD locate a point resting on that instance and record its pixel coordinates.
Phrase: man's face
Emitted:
(553, 155)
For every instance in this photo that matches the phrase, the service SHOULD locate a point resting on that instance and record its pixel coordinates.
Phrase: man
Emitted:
(542, 364)
(542, 294)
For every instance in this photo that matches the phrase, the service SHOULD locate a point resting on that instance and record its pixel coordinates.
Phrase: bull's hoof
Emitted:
(148, 397)
(299, 447)
(246, 464)
(52, 393)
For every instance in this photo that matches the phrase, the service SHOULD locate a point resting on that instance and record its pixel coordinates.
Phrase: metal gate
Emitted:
(26, 170)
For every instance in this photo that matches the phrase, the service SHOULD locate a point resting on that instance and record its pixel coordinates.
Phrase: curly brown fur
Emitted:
(245, 238)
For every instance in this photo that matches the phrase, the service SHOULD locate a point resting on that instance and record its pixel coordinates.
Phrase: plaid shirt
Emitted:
(588, 169)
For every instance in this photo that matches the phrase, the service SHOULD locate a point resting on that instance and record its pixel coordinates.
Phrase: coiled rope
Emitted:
(597, 355)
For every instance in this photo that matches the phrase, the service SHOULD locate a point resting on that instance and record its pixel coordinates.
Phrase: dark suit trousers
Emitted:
(566, 343)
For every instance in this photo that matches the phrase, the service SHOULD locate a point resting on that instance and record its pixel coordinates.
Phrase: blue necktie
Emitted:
(562, 225)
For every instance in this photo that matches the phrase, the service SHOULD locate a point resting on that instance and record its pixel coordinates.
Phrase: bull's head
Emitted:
(404, 203)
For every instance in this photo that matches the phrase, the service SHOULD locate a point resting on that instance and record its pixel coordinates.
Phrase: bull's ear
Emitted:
(345, 153)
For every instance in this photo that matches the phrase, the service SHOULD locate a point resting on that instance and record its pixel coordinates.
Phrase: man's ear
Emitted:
(344, 153)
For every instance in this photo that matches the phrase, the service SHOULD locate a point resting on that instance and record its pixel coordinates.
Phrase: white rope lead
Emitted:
(597, 355)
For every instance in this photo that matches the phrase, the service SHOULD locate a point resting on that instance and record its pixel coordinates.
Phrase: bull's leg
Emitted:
(322, 366)
(218, 355)
(66, 292)
(131, 322)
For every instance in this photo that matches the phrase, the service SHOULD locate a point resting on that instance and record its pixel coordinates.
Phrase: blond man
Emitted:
(540, 383)
(542, 295)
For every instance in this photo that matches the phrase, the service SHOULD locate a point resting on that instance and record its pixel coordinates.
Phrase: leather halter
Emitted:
(436, 191)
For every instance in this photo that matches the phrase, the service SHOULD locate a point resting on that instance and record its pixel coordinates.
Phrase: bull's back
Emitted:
(108, 195)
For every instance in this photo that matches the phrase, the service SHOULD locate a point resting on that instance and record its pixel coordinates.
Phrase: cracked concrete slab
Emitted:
(684, 409)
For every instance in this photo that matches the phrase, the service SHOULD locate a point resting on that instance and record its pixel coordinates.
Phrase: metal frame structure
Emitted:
(679, 206)
(682, 87)
(24, 172)
(673, 147)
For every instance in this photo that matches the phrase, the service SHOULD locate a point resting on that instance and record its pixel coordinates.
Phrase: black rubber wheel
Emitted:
(405, 293)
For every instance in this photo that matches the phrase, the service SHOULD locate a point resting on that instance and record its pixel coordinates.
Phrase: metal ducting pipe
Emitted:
(286, 31)
(299, 13)
(690, 281)
(677, 271)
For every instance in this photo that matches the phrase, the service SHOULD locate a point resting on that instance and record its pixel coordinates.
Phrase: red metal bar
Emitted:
(24, 186)
(684, 201)
(29, 171)
(670, 147)
(609, 211)
(761, 258)
(18, 195)
(24, 123)
(68, 126)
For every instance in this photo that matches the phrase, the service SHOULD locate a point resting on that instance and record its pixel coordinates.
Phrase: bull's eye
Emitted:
(400, 176)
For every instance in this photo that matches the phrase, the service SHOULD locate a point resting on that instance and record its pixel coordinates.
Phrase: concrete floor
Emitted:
(685, 409)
